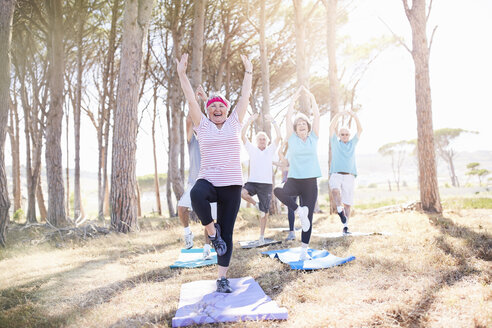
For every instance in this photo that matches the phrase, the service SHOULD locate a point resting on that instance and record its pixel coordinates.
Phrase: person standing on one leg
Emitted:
(304, 167)
(220, 177)
(184, 204)
(260, 177)
(343, 168)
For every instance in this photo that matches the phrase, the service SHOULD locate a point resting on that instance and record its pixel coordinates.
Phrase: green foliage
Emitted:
(392, 147)
(474, 170)
(18, 215)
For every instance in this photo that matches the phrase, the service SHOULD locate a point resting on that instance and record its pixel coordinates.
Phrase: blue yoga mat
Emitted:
(193, 258)
(321, 259)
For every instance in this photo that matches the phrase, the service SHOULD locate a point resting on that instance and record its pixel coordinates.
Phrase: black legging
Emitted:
(228, 199)
(291, 216)
(307, 190)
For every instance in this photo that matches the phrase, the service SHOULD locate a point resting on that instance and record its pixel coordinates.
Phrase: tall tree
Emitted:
(6, 14)
(301, 63)
(53, 152)
(14, 136)
(429, 189)
(123, 178)
(397, 151)
(82, 10)
(443, 139)
(156, 174)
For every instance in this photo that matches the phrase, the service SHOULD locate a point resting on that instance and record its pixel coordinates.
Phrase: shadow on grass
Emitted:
(145, 320)
(478, 243)
(19, 306)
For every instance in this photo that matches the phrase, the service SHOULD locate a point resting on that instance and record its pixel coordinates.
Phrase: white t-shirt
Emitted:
(260, 162)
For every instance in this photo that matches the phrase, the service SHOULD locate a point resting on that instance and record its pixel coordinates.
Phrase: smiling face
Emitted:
(261, 140)
(217, 112)
(301, 127)
(344, 135)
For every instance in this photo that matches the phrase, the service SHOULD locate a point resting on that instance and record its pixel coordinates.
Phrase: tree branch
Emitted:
(396, 36)
(432, 37)
(428, 11)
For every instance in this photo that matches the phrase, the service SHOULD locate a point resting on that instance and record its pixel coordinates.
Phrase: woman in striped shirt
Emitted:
(220, 178)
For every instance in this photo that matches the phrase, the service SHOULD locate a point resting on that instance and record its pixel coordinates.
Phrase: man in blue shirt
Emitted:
(343, 168)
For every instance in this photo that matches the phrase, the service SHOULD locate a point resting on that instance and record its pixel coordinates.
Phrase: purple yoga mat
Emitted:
(199, 303)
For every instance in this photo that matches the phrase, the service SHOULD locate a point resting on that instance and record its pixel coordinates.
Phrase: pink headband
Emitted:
(214, 99)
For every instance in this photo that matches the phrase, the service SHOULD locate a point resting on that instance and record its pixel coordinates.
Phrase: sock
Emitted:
(212, 237)
(339, 209)
(206, 247)
(304, 246)
(345, 225)
(187, 230)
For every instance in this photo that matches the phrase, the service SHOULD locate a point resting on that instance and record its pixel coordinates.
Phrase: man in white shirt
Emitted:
(260, 178)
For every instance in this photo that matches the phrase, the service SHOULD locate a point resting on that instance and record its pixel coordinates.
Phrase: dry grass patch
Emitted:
(431, 271)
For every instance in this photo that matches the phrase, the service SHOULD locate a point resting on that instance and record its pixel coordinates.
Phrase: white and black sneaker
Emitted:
(219, 243)
(223, 286)
(346, 231)
(188, 240)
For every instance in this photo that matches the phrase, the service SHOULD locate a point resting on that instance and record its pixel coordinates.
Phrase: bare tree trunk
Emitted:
(105, 114)
(156, 174)
(68, 161)
(107, 209)
(123, 178)
(169, 195)
(6, 14)
(14, 137)
(265, 71)
(331, 20)
(77, 108)
(429, 189)
(302, 71)
(197, 44)
(43, 213)
(53, 152)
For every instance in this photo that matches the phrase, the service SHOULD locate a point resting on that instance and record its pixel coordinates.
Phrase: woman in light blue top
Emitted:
(304, 169)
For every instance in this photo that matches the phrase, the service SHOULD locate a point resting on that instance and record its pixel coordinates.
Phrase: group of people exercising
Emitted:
(215, 185)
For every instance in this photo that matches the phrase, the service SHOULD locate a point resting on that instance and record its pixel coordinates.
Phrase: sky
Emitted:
(460, 69)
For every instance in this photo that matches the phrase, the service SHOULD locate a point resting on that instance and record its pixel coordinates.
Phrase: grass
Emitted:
(469, 203)
(430, 272)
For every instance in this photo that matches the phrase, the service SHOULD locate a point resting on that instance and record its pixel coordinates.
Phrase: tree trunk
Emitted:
(265, 72)
(429, 189)
(169, 195)
(105, 114)
(123, 178)
(6, 14)
(197, 44)
(14, 145)
(302, 71)
(77, 108)
(43, 213)
(53, 152)
(67, 122)
(156, 174)
(331, 20)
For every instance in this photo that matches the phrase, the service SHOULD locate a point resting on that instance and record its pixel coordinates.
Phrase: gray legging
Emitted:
(307, 190)
(228, 199)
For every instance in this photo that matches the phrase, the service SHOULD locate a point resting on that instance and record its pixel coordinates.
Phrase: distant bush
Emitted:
(18, 215)
(372, 186)
(146, 182)
(386, 202)
(469, 203)
(446, 185)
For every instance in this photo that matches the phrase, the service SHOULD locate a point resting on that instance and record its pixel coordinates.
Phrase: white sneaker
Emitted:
(303, 212)
(304, 255)
(207, 254)
(261, 240)
(189, 240)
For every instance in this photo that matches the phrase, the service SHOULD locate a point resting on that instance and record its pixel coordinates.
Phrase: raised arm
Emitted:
(242, 105)
(278, 139)
(290, 112)
(334, 123)
(251, 119)
(194, 107)
(357, 122)
(315, 110)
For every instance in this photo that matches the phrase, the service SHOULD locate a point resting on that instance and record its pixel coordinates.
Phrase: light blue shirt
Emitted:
(343, 155)
(303, 157)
